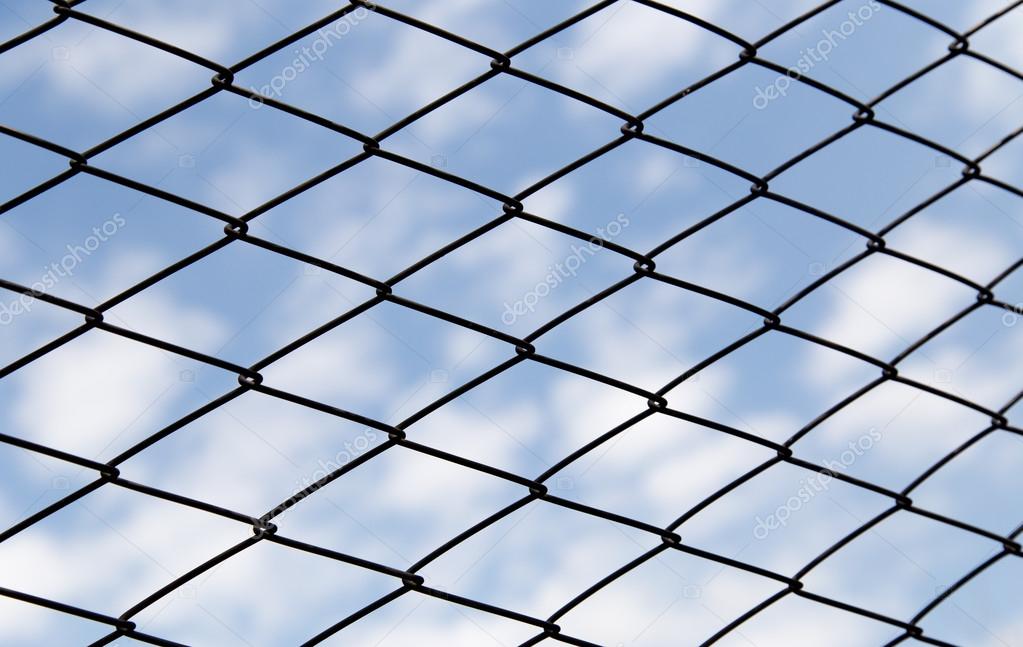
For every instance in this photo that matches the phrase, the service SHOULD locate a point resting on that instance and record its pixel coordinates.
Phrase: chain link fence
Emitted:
(535, 488)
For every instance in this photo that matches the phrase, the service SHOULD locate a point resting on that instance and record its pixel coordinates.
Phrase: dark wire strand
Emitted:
(236, 229)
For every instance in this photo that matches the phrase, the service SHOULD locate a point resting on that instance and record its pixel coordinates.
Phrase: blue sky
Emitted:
(101, 394)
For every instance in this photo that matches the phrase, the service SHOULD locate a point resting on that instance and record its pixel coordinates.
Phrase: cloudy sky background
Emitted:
(101, 394)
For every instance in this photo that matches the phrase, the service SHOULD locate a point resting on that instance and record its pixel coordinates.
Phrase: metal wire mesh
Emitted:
(409, 581)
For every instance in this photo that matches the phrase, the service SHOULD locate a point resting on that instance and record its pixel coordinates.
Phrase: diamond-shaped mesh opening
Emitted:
(228, 31)
(44, 481)
(670, 595)
(121, 536)
(498, 423)
(753, 118)
(493, 566)
(518, 276)
(753, 22)
(36, 165)
(868, 177)
(625, 335)
(508, 133)
(857, 47)
(973, 231)
(358, 515)
(658, 468)
(988, 463)
(408, 620)
(253, 318)
(965, 123)
(1003, 164)
(21, 17)
(386, 363)
(785, 250)
(891, 434)
(882, 305)
(498, 27)
(963, 359)
(88, 240)
(59, 401)
(270, 463)
(78, 68)
(653, 192)
(335, 71)
(978, 612)
(545, 359)
(378, 217)
(958, 15)
(773, 386)
(225, 154)
(29, 624)
(31, 323)
(818, 624)
(625, 54)
(993, 42)
(918, 552)
(758, 522)
(216, 609)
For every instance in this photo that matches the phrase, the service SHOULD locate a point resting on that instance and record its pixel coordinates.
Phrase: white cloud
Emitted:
(115, 549)
(625, 51)
(90, 391)
(880, 307)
